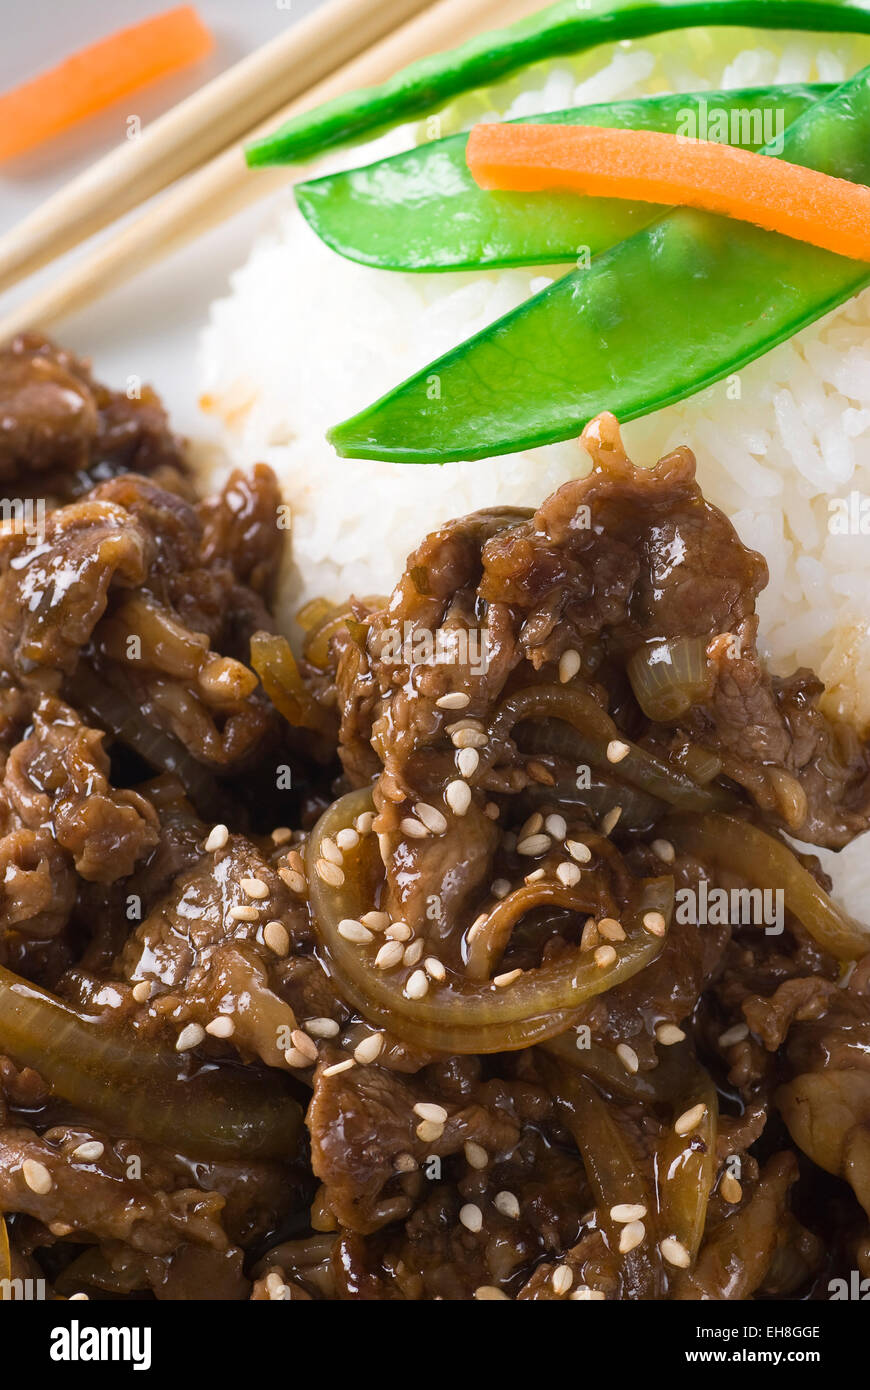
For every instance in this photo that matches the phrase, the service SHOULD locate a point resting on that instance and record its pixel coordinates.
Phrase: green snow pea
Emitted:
(568, 27)
(681, 304)
(422, 210)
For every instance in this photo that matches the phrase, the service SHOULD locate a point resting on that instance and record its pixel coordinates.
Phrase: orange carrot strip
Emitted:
(97, 75)
(648, 166)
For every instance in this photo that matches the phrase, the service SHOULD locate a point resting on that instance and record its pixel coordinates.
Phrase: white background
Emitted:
(149, 327)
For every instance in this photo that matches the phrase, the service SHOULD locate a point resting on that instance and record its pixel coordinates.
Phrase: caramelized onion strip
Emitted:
(594, 732)
(136, 1089)
(459, 1015)
(487, 942)
(767, 863)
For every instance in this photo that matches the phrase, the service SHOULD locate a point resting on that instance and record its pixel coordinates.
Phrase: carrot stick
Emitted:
(648, 166)
(96, 76)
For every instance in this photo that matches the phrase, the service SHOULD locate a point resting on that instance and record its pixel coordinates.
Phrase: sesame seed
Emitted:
(189, 1037)
(281, 835)
(534, 845)
(89, 1152)
(568, 874)
(321, 1027)
(535, 876)
(454, 699)
(604, 956)
(617, 750)
(431, 817)
(534, 823)
(406, 1163)
(468, 738)
(654, 923)
(631, 1236)
(242, 914)
(475, 1155)
(589, 938)
(476, 725)
(569, 665)
(610, 820)
(577, 850)
(690, 1119)
(471, 1217)
(413, 953)
(352, 930)
(491, 811)
(586, 1295)
(339, 1067)
(293, 879)
(329, 850)
(347, 839)
(467, 761)
(675, 1252)
(458, 797)
(294, 1058)
(428, 1110)
(508, 1204)
(628, 1057)
(330, 873)
(221, 1027)
(563, 1278)
(79, 1297)
(624, 1212)
(734, 1035)
(217, 838)
(389, 955)
(276, 937)
(668, 1034)
(414, 829)
(142, 991)
(376, 921)
(399, 931)
(37, 1176)
(295, 860)
(304, 1044)
(502, 981)
(730, 1189)
(417, 985)
(434, 968)
(369, 1048)
(60, 1229)
(610, 929)
(429, 1130)
(255, 888)
(556, 826)
(664, 850)
(500, 888)
(364, 822)
(488, 1293)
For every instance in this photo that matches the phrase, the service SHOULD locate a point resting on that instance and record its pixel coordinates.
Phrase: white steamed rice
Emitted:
(306, 338)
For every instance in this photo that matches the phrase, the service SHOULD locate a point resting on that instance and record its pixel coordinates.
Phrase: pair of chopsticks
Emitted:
(199, 146)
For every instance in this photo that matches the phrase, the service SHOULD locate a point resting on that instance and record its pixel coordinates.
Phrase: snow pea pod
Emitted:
(422, 210)
(567, 27)
(679, 305)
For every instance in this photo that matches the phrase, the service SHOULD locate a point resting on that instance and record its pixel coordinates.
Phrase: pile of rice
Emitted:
(306, 338)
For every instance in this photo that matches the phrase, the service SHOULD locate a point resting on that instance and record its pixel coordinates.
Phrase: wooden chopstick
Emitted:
(225, 185)
(198, 128)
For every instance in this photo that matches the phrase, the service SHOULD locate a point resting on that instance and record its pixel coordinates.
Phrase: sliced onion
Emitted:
(594, 731)
(136, 1089)
(488, 942)
(766, 863)
(615, 1172)
(685, 1165)
(668, 676)
(275, 664)
(460, 1015)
